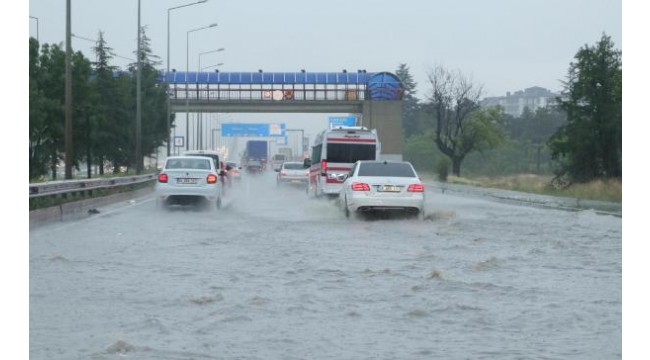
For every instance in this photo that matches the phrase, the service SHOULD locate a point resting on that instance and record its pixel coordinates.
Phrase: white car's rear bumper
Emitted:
(358, 201)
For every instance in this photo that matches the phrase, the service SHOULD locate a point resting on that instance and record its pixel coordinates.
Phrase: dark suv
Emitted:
(254, 167)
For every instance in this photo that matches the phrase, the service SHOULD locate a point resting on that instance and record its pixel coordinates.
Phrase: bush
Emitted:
(442, 168)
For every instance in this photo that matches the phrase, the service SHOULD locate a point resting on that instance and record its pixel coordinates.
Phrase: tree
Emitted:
(154, 99)
(82, 109)
(461, 125)
(531, 131)
(410, 121)
(109, 108)
(49, 75)
(39, 141)
(589, 146)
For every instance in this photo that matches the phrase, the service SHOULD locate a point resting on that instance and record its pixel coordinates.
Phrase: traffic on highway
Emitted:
(276, 273)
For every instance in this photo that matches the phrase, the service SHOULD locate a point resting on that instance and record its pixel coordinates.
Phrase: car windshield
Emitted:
(293, 166)
(386, 169)
(254, 163)
(203, 164)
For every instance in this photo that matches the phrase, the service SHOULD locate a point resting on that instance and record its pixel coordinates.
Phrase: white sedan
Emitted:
(385, 186)
(188, 180)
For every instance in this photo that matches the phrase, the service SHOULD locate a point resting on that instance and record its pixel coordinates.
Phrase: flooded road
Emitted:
(276, 275)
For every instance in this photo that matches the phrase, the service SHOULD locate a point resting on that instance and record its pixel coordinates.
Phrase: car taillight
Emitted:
(211, 179)
(163, 178)
(360, 187)
(323, 167)
(415, 188)
(283, 172)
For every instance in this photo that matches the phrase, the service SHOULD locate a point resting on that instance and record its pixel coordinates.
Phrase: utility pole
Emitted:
(68, 96)
(138, 116)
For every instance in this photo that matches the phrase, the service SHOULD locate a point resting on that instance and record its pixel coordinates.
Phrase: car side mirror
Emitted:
(306, 163)
(277, 170)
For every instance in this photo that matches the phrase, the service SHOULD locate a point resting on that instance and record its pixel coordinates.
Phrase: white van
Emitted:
(333, 154)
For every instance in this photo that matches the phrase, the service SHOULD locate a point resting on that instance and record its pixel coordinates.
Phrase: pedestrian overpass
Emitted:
(376, 98)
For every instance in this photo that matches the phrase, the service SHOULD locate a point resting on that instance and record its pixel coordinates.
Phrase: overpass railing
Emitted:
(298, 92)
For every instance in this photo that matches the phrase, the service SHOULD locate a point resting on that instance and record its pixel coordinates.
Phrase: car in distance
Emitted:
(382, 186)
(234, 170)
(292, 172)
(254, 167)
(208, 153)
(188, 180)
(215, 157)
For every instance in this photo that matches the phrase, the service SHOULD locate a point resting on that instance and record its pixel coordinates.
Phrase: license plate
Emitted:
(187, 180)
(389, 188)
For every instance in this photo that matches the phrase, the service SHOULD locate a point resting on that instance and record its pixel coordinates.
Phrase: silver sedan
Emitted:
(382, 186)
(292, 172)
(188, 180)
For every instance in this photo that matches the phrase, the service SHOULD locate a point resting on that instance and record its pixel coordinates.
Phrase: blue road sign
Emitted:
(342, 121)
(253, 130)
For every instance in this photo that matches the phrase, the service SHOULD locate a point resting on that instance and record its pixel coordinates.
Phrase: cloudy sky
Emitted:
(506, 45)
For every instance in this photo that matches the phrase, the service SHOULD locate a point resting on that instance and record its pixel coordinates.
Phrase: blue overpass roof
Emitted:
(181, 77)
(381, 85)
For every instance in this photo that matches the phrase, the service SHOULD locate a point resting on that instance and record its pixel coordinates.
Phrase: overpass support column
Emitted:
(386, 117)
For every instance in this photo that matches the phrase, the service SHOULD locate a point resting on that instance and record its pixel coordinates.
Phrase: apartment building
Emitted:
(514, 103)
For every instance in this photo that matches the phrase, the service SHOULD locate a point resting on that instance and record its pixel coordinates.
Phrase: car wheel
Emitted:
(346, 210)
(422, 215)
(219, 202)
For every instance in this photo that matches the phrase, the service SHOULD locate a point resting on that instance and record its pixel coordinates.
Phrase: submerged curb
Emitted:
(529, 199)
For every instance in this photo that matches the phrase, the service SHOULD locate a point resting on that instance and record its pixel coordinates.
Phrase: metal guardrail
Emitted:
(72, 186)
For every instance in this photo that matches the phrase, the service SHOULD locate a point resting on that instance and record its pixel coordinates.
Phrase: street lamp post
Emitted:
(167, 74)
(35, 18)
(199, 127)
(68, 94)
(208, 52)
(138, 112)
(211, 66)
(187, 70)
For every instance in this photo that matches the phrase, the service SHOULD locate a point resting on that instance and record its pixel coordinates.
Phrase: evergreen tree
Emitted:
(410, 116)
(108, 104)
(154, 99)
(590, 144)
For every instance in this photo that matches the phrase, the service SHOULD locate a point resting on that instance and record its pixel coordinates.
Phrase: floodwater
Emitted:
(276, 275)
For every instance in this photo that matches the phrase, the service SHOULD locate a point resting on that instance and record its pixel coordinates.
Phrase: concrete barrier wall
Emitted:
(79, 209)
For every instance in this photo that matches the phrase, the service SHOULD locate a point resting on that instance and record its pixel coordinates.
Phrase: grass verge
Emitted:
(601, 189)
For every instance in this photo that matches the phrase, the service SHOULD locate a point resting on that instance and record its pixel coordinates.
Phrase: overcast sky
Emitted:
(506, 45)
